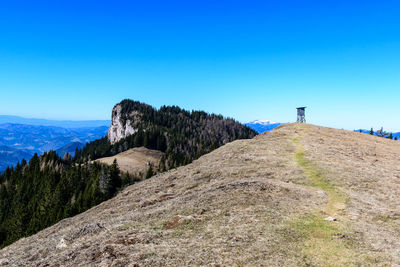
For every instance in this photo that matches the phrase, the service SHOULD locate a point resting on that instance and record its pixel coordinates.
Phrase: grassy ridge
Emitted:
(324, 243)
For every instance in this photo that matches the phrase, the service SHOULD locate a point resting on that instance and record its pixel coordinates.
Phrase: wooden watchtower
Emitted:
(301, 114)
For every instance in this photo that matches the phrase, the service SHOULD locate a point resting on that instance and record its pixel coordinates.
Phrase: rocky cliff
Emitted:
(182, 135)
(120, 127)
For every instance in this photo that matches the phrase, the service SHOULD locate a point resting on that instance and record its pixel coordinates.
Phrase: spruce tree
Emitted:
(115, 179)
(149, 172)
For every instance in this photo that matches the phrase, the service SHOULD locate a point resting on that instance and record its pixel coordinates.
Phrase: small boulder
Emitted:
(62, 244)
(330, 219)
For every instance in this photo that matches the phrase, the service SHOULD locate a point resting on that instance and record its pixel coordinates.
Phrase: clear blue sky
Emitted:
(244, 59)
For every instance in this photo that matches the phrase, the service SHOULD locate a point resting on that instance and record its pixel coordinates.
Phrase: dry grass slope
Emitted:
(258, 202)
(134, 161)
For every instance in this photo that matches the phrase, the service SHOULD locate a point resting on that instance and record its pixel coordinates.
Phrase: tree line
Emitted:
(381, 133)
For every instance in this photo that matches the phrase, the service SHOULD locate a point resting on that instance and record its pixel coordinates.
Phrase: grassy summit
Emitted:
(253, 202)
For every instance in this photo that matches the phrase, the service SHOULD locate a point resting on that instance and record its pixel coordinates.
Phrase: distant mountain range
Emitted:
(21, 138)
(261, 126)
(10, 156)
(38, 139)
(58, 123)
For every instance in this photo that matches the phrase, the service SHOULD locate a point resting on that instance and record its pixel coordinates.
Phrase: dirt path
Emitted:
(326, 243)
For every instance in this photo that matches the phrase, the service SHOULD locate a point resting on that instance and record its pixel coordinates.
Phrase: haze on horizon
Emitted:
(243, 59)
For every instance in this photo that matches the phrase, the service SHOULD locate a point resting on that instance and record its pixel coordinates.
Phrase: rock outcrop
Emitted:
(121, 126)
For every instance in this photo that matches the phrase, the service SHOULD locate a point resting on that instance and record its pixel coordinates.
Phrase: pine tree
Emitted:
(382, 133)
(149, 172)
(115, 179)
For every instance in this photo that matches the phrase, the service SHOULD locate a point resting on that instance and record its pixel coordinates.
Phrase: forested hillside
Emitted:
(182, 135)
(49, 188)
(37, 194)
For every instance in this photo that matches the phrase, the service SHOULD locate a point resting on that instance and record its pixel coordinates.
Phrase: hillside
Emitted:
(182, 135)
(51, 187)
(135, 160)
(47, 189)
(300, 195)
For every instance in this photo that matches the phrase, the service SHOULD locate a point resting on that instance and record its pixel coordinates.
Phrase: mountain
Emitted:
(182, 135)
(261, 126)
(58, 123)
(10, 156)
(31, 139)
(50, 187)
(70, 148)
(300, 195)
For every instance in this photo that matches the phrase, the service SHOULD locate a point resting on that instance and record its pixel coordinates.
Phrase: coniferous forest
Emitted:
(48, 188)
(37, 194)
(182, 135)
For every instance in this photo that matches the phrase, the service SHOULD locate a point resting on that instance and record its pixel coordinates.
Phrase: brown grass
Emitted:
(258, 202)
(135, 160)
